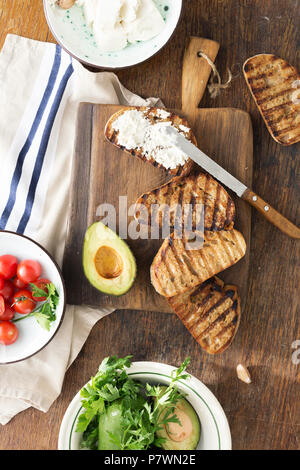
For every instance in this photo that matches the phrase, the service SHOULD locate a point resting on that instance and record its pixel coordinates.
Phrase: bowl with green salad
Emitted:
(144, 406)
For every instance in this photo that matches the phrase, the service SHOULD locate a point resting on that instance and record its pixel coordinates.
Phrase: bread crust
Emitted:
(211, 312)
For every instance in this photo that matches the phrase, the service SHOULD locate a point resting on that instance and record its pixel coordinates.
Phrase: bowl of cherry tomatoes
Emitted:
(32, 297)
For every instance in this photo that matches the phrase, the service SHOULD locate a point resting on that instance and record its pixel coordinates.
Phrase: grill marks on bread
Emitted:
(154, 116)
(273, 83)
(211, 312)
(200, 192)
(176, 268)
(185, 276)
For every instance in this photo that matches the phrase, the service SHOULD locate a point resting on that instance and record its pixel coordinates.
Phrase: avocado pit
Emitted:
(184, 435)
(180, 432)
(108, 262)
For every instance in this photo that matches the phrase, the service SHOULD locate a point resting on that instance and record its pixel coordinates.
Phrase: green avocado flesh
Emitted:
(184, 436)
(110, 423)
(108, 262)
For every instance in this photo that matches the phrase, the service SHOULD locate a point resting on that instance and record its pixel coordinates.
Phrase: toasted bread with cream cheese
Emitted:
(153, 116)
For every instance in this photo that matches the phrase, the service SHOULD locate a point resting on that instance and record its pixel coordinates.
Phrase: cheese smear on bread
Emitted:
(135, 131)
(116, 23)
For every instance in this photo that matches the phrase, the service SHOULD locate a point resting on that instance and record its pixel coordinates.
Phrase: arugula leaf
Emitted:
(90, 436)
(113, 363)
(45, 313)
(178, 373)
(92, 408)
(109, 393)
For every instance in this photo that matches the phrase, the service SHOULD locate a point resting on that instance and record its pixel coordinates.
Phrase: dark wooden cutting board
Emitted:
(102, 173)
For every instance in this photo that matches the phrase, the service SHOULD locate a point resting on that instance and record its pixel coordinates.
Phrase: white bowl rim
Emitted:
(99, 67)
(64, 294)
(162, 370)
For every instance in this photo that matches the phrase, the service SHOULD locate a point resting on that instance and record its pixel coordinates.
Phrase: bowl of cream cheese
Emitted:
(112, 34)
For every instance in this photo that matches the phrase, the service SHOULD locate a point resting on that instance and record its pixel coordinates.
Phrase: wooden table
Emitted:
(265, 414)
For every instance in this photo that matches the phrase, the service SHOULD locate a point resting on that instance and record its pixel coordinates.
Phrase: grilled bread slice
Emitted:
(211, 312)
(275, 86)
(197, 199)
(154, 116)
(177, 268)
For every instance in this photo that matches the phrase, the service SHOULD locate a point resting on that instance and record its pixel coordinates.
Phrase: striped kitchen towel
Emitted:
(41, 88)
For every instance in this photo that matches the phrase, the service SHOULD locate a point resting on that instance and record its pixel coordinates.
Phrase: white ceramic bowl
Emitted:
(32, 337)
(71, 31)
(215, 432)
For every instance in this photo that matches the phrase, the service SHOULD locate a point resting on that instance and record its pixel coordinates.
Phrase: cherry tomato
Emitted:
(19, 284)
(29, 271)
(2, 305)
(41, 284)
(23, 302)
(8, 332)
(8, 266)
(2, 280)
(8, 313)
(7, 291)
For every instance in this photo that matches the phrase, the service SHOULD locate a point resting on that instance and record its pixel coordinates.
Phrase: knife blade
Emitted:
(206, 162)
(224, 177)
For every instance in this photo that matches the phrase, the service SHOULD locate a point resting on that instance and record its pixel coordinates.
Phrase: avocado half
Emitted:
(185, 436)
(108, 262)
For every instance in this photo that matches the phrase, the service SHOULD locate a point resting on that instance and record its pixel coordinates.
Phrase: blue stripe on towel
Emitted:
(42, 150)
(22, 155)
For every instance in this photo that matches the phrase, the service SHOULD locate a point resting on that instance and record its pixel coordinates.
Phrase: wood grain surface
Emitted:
(265, 414)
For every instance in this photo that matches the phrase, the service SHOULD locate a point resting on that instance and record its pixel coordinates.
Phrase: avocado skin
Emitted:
(110, 422)
(94, 238)
(191, 442)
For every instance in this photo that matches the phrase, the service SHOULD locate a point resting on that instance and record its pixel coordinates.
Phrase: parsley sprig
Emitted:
(145, 408)
(44, 313)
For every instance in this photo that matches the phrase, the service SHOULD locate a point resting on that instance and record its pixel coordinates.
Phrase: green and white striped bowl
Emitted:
(215, 432)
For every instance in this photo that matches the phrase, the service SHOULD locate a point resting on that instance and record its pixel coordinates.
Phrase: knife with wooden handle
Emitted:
(234, 184)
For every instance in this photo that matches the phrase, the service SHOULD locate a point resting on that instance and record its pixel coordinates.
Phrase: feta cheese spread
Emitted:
(116, 23)
(136, 131)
